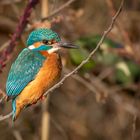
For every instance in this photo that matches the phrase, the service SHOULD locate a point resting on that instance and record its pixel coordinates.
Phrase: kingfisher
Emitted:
(36, 69)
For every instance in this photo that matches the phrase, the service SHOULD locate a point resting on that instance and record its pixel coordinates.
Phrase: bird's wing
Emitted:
(22, 71)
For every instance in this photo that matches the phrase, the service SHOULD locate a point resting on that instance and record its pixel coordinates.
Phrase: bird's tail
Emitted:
(16, 109)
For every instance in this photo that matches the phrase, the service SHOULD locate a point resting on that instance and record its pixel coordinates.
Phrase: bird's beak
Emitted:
(67, 45)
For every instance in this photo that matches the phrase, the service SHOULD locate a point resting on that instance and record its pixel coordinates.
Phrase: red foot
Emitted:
(42, 98)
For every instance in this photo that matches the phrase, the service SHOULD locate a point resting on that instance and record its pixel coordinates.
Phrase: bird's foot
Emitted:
(42, 98)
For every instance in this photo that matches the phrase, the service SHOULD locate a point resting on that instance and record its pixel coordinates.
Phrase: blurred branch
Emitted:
(130, 50)
(45, 120)
(59, 128)
(119, 24)
(134, 127)
(17, 135)
(91, 54)
(6, 116)
(4, 45)
(3, 96)
(100, 88)
(113, 94)
(58, 10)
(15, 132)
(9, 1)
(5, 54)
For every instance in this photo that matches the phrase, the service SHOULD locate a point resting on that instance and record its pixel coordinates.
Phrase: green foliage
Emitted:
(126, 71)
(90, 42)
(77, 56)
(107, 58)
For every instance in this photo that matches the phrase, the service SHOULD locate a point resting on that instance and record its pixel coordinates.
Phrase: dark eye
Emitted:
(45, 42)
(48, 42)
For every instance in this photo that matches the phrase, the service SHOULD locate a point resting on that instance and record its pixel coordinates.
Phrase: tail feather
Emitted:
(17, 107)
(14, 108)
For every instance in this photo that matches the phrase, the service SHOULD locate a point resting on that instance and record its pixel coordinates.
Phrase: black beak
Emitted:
(68, 45)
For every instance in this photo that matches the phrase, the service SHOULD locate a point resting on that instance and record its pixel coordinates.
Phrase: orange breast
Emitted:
(46, 77)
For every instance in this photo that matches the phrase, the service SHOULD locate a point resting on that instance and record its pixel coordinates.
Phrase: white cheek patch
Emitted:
(31, 47)
(53, 50)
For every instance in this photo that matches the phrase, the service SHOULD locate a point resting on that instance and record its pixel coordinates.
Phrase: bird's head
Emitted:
(44, 39)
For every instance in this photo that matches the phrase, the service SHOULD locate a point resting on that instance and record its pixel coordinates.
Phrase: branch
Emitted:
(4, 55)
(100, 88)
(3, 96)
(91, 54)
(58, 10)
(6, 116)
(134, 127)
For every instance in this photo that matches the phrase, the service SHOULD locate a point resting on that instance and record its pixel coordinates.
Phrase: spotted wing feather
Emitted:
(23, 71)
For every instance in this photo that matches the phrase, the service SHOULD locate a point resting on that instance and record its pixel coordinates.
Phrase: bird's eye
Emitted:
(48, 42)
(45, 42)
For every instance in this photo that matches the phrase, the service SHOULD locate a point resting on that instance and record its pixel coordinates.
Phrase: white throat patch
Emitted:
(53, 50)
(31, 47)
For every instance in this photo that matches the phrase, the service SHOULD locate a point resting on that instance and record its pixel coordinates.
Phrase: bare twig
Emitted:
(91, 54)
(6, 2)
(58, 10)
(98, 84)
(59, 128)
(4, 45)
(15, 132)
(3, 96)
(118, 23)
(6, 116)
(134, 127)
(1, 100)
(4, 55)
(45, 18)
(17, 135)
(113, 94)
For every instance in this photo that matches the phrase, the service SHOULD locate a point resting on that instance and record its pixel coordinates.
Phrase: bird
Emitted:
(37, 68)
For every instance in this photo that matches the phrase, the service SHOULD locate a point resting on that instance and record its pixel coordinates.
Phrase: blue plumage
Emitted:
(42, 34)
(23, 70)
(42, 48)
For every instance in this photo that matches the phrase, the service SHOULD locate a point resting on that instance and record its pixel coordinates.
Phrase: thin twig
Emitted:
(17, 135)
(59, 128)
(6, 116)
(3, 96)
(1, 100)
(98, 84)
(134, 127)
(91, 54)
(113, 94)
(58, 10)
(118, 23)
(4, 45)
(5, 54)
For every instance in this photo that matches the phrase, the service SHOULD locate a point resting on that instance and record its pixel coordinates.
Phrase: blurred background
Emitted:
(100, 102)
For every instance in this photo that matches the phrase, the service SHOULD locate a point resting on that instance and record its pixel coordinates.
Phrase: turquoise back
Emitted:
(42, 34)
(23, 71)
